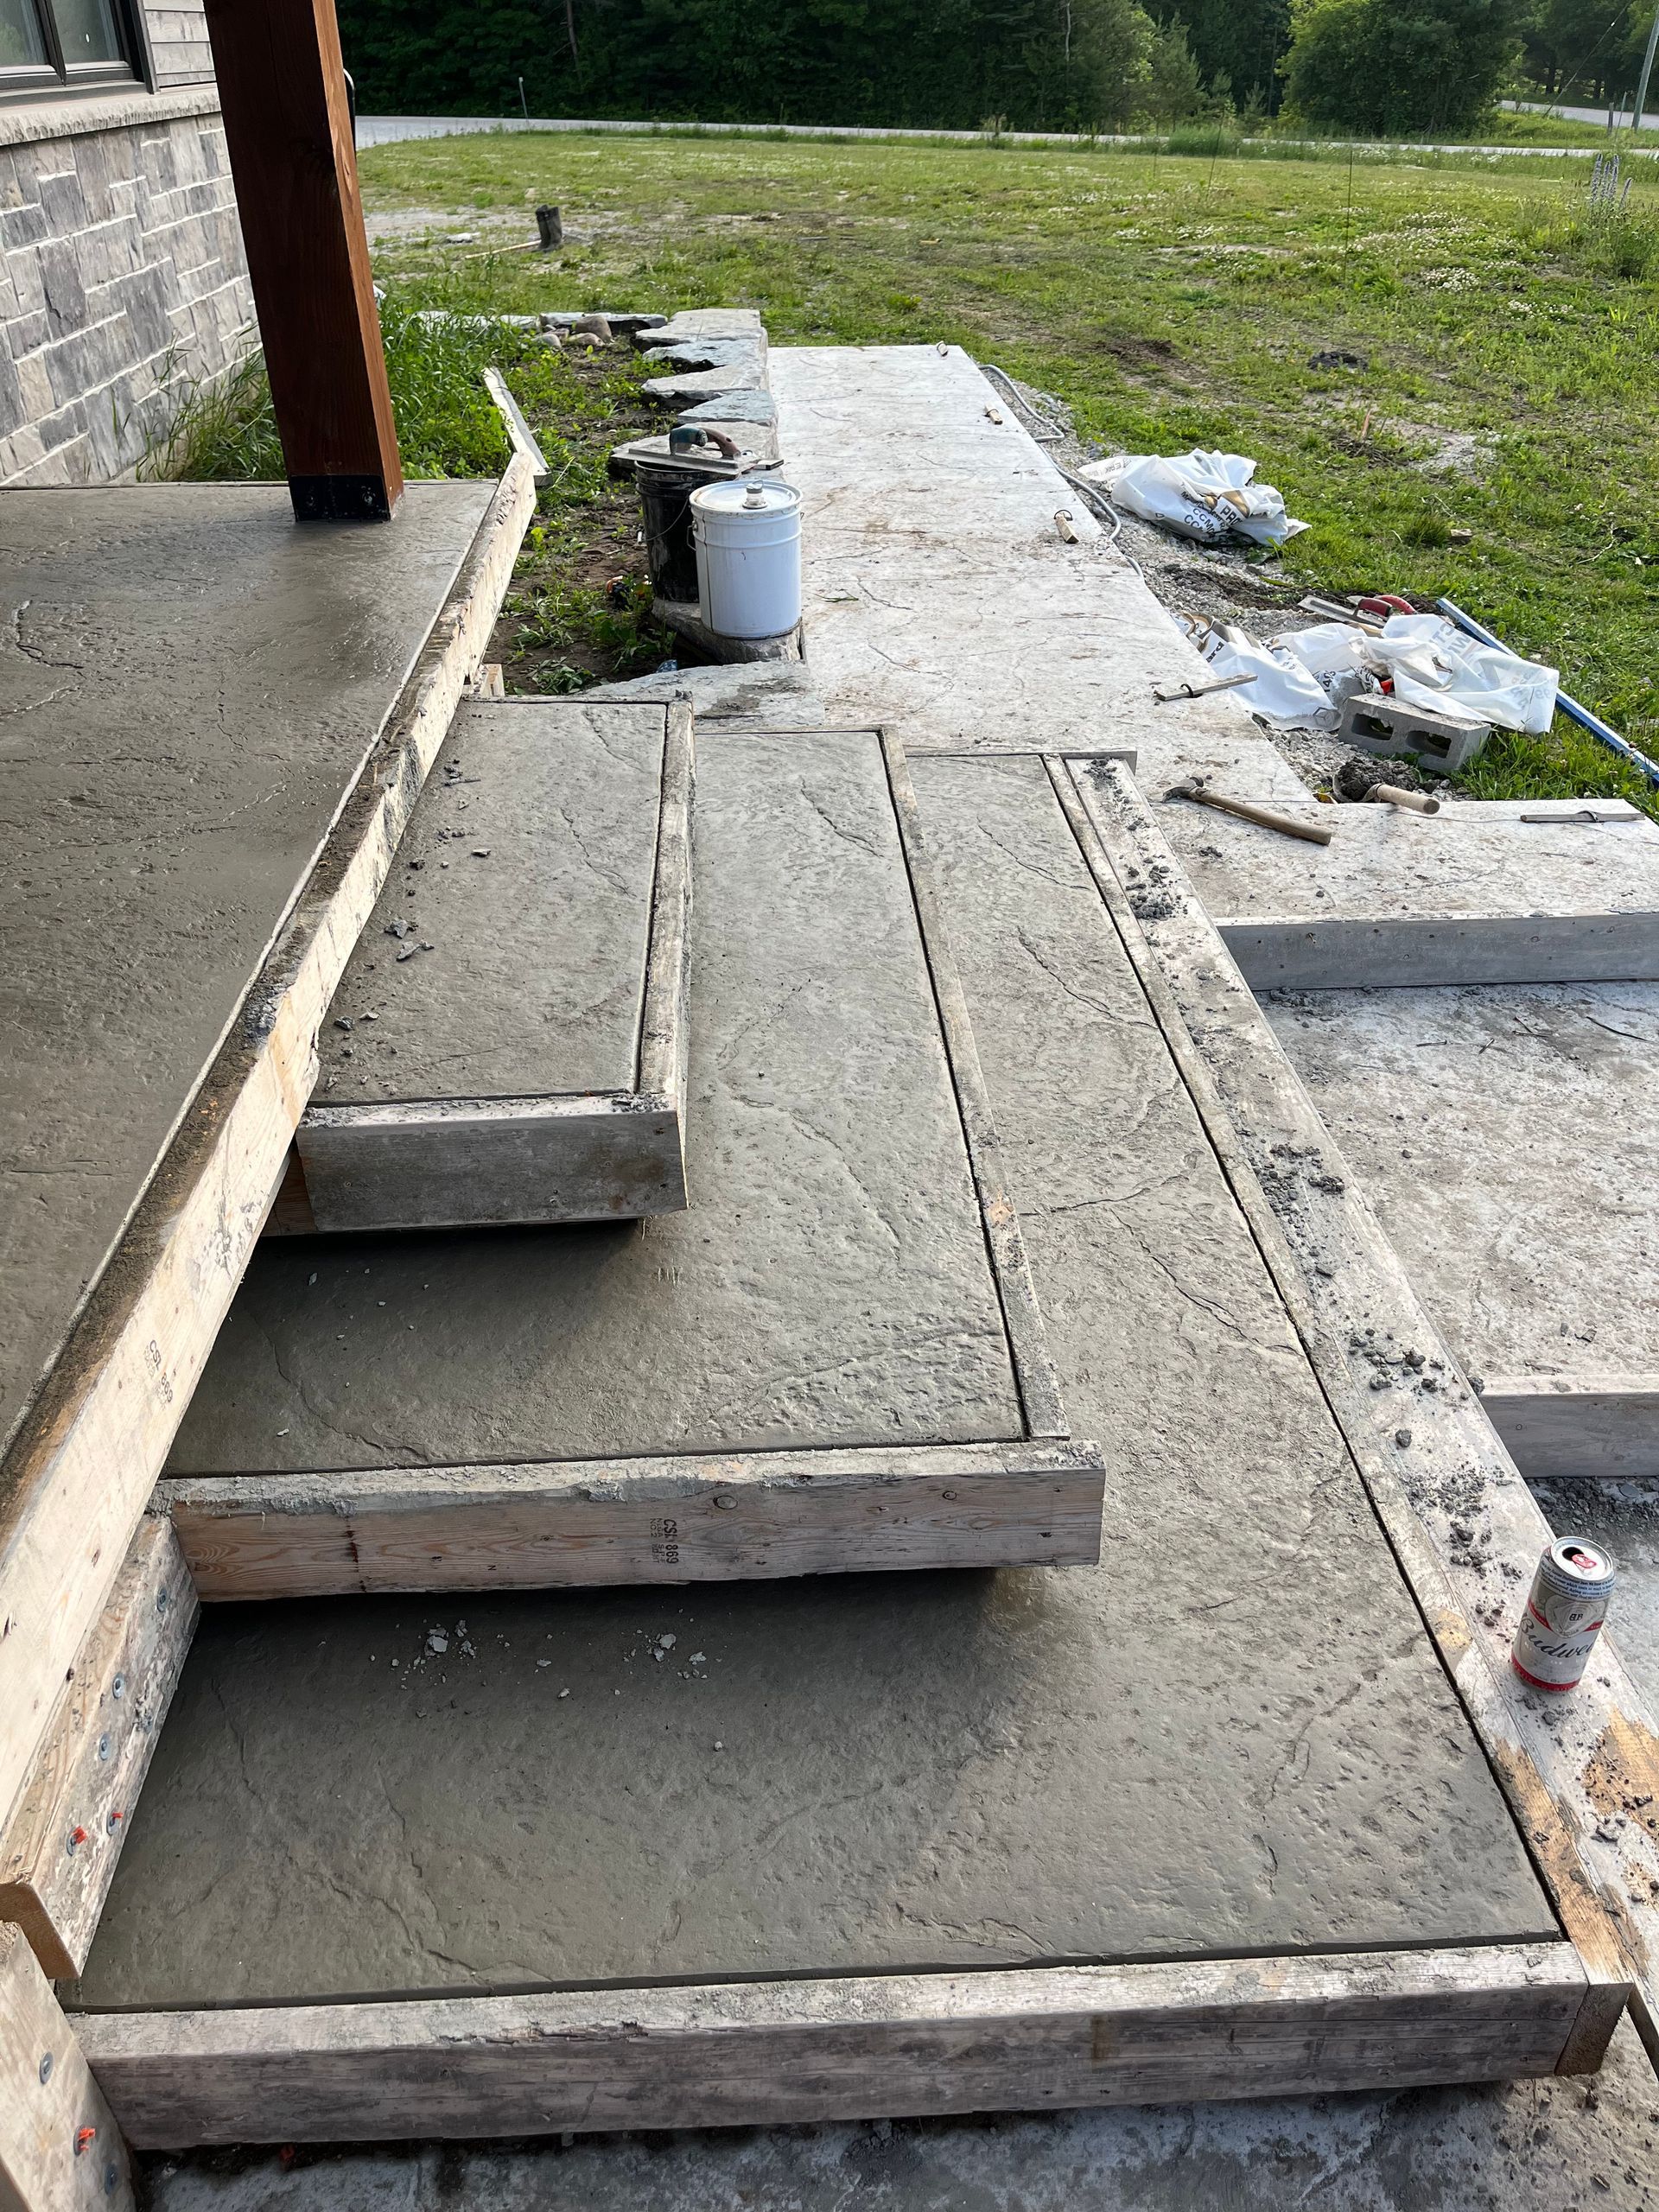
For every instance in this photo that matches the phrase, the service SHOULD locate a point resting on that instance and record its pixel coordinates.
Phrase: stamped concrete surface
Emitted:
(1506, 1136)
(190, 683)
(924, 495)
(507, 955)
(1480, 892)
(1232, 1737)
(1561, 2145)
(829, 1283)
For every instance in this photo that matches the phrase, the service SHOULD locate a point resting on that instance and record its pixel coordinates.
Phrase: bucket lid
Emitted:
(752, 495)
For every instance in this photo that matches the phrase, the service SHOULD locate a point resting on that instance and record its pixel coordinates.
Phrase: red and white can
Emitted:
(1563, 1614)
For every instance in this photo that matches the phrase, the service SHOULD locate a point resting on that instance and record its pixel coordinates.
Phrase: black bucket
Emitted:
(665, 489)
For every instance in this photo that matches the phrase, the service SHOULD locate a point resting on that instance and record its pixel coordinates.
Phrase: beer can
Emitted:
(1563, 1614)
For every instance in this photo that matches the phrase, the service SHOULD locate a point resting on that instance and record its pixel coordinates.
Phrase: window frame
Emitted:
(57, 78)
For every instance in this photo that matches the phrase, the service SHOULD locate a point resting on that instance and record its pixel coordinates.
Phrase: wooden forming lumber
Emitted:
(1581, 1772)
(83, 1466)
(768, 2053)
(60, 2150)
(1557, 1426)
(670, 1519)
(58, 1853)
(567, 1155)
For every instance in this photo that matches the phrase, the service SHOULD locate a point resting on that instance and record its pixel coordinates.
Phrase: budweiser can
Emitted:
(1564, 1614)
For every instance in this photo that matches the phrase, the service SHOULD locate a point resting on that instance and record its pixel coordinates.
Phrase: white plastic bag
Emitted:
(1208, 496)
(1435, 665)
(1285, 690)
(1334, 653)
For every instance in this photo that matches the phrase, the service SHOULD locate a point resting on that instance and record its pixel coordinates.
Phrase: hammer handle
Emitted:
(1315, 833)
(1397, 795)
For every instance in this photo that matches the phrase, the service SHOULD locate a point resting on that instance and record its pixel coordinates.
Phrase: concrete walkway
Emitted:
(387, 129)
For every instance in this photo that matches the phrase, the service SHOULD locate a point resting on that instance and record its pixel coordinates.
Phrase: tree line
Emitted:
(1381, 67)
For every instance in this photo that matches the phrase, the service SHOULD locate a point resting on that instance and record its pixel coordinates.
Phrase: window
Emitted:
(53, 46)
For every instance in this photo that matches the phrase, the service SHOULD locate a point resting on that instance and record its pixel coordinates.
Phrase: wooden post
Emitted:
(288, 126)
(59, 2149)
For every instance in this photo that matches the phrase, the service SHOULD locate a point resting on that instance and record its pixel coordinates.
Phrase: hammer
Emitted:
(1286, 824)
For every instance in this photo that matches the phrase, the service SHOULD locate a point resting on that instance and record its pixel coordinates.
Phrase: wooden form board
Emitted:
(1555, 1427)
(1007, 1487)
(58, 1853)
(544, 936)
(85, 1463)
(751, 2054)
(1581, 1773)
(61, 2148)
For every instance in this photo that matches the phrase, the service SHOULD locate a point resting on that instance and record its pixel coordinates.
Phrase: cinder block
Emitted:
(1389, 727)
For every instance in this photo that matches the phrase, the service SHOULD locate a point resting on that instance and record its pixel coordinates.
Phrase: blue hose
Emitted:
(1570, 708)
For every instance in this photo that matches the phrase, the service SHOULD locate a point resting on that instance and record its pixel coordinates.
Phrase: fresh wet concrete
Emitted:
(506, 957)
(1233, 1736)
(829, 1283)
(191, 683)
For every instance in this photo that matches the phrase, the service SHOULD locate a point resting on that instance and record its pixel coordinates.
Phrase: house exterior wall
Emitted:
(123, 280)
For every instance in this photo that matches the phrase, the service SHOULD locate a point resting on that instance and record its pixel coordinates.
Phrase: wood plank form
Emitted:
(455, 1162)
(57, 1855)
(1557, 1428)
(672, 1520)
(81, 1470)
(59, 2148)
(769, 2053)
(1581, 1773)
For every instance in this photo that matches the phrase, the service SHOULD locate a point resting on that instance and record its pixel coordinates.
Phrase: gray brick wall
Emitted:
(122, 282)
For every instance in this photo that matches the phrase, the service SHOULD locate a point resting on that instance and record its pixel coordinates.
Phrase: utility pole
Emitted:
(1646, 72)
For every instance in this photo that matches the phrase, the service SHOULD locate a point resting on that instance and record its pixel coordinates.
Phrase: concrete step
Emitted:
(833, 1359)
(1484, 892)
(1506, 1137)
(507, 1044)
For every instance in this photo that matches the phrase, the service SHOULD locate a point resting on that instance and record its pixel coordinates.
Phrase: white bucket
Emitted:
(748, 540)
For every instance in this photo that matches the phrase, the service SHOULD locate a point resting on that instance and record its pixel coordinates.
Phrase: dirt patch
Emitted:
(578, 612)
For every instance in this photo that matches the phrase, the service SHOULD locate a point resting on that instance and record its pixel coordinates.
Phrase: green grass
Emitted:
(1508, 337)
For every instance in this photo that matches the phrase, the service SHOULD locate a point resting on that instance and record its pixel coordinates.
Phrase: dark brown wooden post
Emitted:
(282, 86)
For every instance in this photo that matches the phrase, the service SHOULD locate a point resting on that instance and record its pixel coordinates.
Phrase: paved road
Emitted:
(384, 130)
(1649, 121)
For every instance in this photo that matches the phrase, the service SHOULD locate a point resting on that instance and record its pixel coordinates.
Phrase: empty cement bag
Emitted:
(1435, 665)
(1208, 496)
(1285, 690)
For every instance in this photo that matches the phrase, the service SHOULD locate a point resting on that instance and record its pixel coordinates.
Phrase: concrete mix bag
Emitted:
(1208, 496)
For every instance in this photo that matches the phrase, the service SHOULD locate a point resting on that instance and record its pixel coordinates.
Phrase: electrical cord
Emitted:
(1095, 500)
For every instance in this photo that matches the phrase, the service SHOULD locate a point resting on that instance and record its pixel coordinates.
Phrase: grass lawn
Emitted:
(1506, 340)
